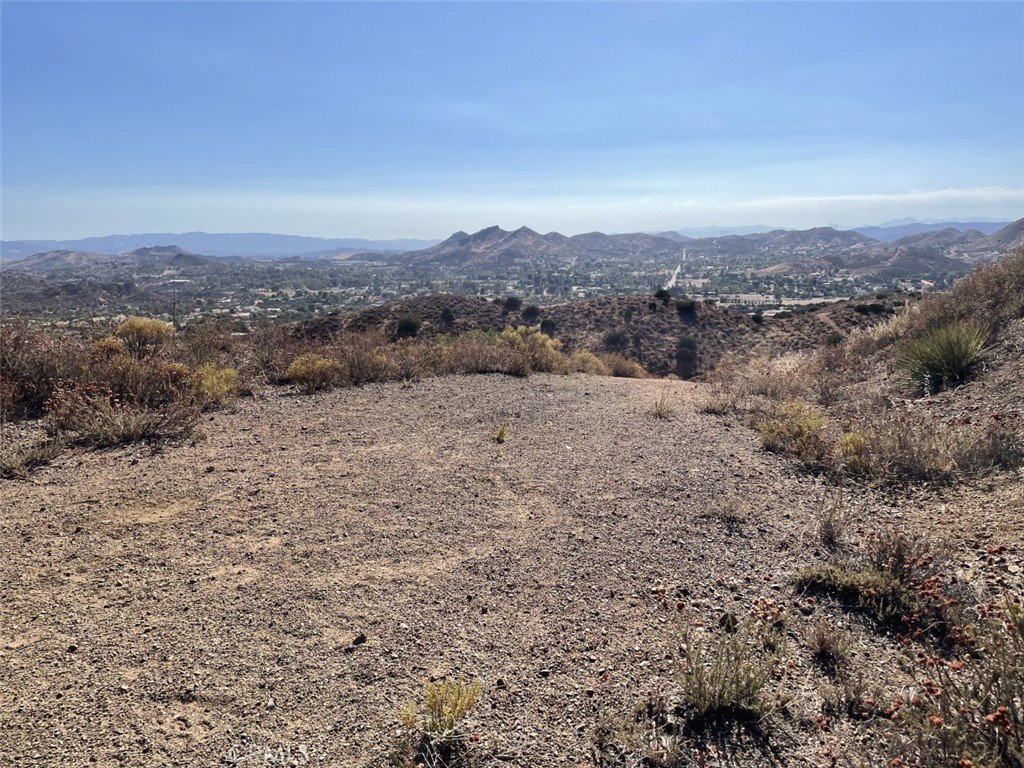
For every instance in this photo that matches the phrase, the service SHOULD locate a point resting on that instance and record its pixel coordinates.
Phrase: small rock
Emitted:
(359, 639)
(545, 673)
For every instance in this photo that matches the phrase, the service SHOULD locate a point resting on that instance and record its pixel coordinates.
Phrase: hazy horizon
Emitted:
(394, 120)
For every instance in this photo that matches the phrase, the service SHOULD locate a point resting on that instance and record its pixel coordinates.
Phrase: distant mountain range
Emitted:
(496, 246)
(809, 251)
(894, 231)
(257, 245)
(249, 245)
(162, 256)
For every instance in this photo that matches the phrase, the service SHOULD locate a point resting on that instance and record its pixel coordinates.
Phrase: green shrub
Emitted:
(942, 357)
(312, 372)
(616, 341)
(408, 327)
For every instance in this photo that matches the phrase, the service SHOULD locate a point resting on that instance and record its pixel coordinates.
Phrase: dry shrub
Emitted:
(990, 296)
(150, 383)
(18, 458)
(585, 361)
(433, 735)
(214, 386)
(622, 367)
(270, 349)
(312, 372)
(789, 377)
(364, 358)
(968, 710)
(96, 417)
(917, 447)
(208, 342)
(32, 365)
(903, 582)
(476, 352)
(543, 354)
(143, 336)
(796, 429)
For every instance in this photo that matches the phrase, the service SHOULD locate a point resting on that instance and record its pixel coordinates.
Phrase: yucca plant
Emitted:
(941, 357)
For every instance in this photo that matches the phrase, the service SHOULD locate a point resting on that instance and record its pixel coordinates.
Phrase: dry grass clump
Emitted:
(829, 646)
(730, 684)
(18, 458)
(733, 676)
(96, 417)
(662, 408)
(796, 429)
(833, 523)
(433, 735)
(918, 447)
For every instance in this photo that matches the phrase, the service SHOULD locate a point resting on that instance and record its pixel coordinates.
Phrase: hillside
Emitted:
(168, 256)
(682, 337)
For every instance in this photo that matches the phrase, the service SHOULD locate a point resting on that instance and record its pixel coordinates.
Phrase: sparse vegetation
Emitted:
(662, 408)
(19, 458)
(312, 373)
(433, 734)
(144, 336)
(500, 435)
(941, 357)
(796, 429)
(733, 676)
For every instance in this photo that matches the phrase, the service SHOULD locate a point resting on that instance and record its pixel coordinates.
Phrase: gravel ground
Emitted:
(291, 580)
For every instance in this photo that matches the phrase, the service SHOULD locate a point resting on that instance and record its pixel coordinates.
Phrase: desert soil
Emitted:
(289, 582)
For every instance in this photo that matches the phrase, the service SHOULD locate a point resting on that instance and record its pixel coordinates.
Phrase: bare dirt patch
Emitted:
(296, 577)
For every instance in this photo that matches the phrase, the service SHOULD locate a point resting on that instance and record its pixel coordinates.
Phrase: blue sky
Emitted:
(406, 120)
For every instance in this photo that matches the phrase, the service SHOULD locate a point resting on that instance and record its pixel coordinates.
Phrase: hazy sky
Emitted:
(415, 120)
